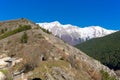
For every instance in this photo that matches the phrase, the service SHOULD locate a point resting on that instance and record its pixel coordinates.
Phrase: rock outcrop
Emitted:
(2, 76)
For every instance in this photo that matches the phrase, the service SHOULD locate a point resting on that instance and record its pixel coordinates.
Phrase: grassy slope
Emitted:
(17, 30)
(45, 67)
(105, 49)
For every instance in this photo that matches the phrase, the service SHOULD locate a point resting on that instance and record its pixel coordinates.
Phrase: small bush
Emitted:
(7, 74)
(106, 76)
(46, 31)
(6, 29)
(24, 38)
(2, 31)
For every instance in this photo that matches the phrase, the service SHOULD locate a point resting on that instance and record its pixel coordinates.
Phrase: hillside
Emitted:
(33, 53)
(75, 34)
(105, 49)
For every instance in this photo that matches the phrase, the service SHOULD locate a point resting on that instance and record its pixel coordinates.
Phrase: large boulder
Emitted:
(2, 76)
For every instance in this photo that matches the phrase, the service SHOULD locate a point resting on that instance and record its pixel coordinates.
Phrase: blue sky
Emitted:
(105, 13)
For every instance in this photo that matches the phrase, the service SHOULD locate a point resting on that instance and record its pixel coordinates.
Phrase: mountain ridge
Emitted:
(73, 34)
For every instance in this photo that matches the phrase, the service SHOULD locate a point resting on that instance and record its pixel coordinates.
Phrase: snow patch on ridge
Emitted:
(73, 34)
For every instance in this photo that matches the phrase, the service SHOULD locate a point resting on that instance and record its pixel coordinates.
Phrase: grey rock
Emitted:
(2, 76)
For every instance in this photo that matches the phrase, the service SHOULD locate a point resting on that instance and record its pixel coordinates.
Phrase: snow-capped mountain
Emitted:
(73, 34)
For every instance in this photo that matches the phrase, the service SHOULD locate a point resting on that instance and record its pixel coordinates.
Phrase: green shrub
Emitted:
(4, 71)
(2, 31)
(24, 38)
(46, 31)
(17, 30)
(7, 74)
(6, 29)
(106, 76)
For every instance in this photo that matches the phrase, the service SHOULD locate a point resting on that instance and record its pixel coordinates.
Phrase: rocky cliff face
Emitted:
(46, 57)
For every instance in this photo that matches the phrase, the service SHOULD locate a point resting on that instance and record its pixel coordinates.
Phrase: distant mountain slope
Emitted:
(105, 49)
(74, 34)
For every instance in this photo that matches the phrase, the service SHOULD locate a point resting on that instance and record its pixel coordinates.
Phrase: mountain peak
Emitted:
(74, 34)
(56, 22)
